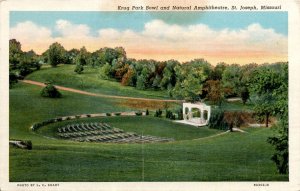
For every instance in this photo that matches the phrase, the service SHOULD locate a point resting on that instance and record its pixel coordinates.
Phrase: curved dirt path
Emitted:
(97, 94)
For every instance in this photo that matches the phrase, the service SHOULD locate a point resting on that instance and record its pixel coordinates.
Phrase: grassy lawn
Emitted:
(27, 107)
(234, 106)
(229, 157)
(90, 81)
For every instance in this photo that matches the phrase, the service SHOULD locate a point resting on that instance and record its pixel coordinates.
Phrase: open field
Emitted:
(229, 157)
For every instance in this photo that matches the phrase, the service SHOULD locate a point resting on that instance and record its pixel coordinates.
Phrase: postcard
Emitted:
(149, 95)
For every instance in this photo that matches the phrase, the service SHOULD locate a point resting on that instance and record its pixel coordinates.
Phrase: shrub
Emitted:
(147, 112)
(25, 70)
(50, 91)
(48, 121)
(239, 118)
(245, 94)
(59, 119)
(78, 69)
(36, 126)
(68, 118)
(173, 117)
(117, 114)
(28, 144)
(180, 114)
(217, 121)
(77, 116)
(13, 79)
(108, 114)
(139, 113)
(168, 114)
(88, 115)
(158, 113)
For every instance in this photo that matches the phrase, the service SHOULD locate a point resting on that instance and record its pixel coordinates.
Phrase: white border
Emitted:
(111, 5)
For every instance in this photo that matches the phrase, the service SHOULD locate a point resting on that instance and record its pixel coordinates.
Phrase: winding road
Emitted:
(97, 94)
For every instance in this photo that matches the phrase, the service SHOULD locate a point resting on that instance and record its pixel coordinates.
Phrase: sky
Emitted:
(231, 37)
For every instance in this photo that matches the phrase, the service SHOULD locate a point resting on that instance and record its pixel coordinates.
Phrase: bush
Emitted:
(88, 115)
(168, 114)
(245, 94)
(233, 118)
(139, 113)
(108, 114)
(180, 114)
(173, 117)
(158, 113)
(59, 119)
(217, 121)
(50, 91)
(77, 116)
(28, 144)
(117, 114)
(147, 112)
(36, 126)
(13, 79)
(25, 70)
(48, 121)
(239, 118)
(78, 69)
(68, 118)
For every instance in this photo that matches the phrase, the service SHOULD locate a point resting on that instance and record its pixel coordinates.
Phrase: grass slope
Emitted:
(90, 81)
(230, 157)
(27, 106)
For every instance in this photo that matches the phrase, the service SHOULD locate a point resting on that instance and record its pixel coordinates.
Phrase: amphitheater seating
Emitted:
(104, 133)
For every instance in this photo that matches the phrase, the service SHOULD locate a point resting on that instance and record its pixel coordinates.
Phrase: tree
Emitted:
(156, 82)
(189, 82)
(107, 55)
(81, 60)
(121, 71)
(217, 121)
(71, 55)
(265, 107)
(50, 91)
(266, 84)
(13, 79)
(56, 54)
(218, 71)
(128, 78)
(231, 80)
(280, 142)
(21, 63)
(214, 91)
(15, 53)
(169, 74)
(271, 83)
(245, 94)
(205, 66)
(105, 71)
(142, 82)
(189, 89)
